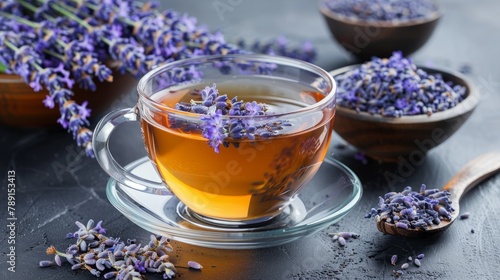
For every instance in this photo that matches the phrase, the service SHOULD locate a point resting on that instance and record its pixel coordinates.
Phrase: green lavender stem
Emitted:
(3, 68)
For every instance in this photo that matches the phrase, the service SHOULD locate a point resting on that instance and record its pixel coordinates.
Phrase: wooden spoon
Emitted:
(468, 177)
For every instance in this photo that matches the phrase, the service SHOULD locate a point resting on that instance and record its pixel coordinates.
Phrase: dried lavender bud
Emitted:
(413, 210)
(464, 216)
(102, 254)
(57, 260)
(95, 272)
(194, 265)
(89, 258)
(110, 275)
(420, 256)
(417, 262)
(341, 241)
(46, 263)
(83, 246)
(101, 264)
(405, 266)
(347, 235)
(383, 10)
(394, 259)
(395, 87)
(402, 225)
(73, 249)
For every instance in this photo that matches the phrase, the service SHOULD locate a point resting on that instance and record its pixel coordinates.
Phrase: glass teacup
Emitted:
(230, 160)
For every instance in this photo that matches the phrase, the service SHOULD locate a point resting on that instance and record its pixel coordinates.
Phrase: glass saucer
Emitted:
(330, 195)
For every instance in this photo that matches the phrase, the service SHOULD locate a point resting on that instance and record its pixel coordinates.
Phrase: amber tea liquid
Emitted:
(254, 178)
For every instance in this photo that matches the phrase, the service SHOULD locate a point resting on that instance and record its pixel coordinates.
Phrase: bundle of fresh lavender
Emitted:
(59, 44)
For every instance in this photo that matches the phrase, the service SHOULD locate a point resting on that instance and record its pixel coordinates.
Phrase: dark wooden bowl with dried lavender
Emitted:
(387, 135)
(360, 28)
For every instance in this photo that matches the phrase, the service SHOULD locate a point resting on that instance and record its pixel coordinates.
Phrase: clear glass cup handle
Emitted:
(100, 141)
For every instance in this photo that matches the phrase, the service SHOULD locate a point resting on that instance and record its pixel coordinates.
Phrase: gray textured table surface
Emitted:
(56, 185)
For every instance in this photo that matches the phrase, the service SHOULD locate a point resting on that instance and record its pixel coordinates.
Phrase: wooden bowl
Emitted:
(20, 106)
(366, 39)
(406, 137)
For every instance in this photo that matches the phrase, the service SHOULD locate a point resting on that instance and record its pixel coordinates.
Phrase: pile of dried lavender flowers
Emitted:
(60, 44)
(413, 210)
(395, 87)
(383, 10)
(113, 258)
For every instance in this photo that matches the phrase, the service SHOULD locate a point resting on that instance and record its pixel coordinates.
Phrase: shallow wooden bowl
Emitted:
(365, 39)
(407, 137)
(20, 106)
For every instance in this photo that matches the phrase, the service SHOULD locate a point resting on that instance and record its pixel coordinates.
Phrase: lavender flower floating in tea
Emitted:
(216, 129)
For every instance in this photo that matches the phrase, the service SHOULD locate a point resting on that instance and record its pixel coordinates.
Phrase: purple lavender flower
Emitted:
(361, 157)
(139, 266)
(194, 265)
(217, 129)
(213, 129)
(280, 46)
(83, 111)
(98, 228)
(49, 102)
(57, 44)
(208, 95)
(254, 109)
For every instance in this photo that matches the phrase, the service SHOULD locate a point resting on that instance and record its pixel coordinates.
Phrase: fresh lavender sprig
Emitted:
(281, 46)
(395, 87)
(112, 258)
(73, 42)
(413, 209)
(218, 129)
(26, 62)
